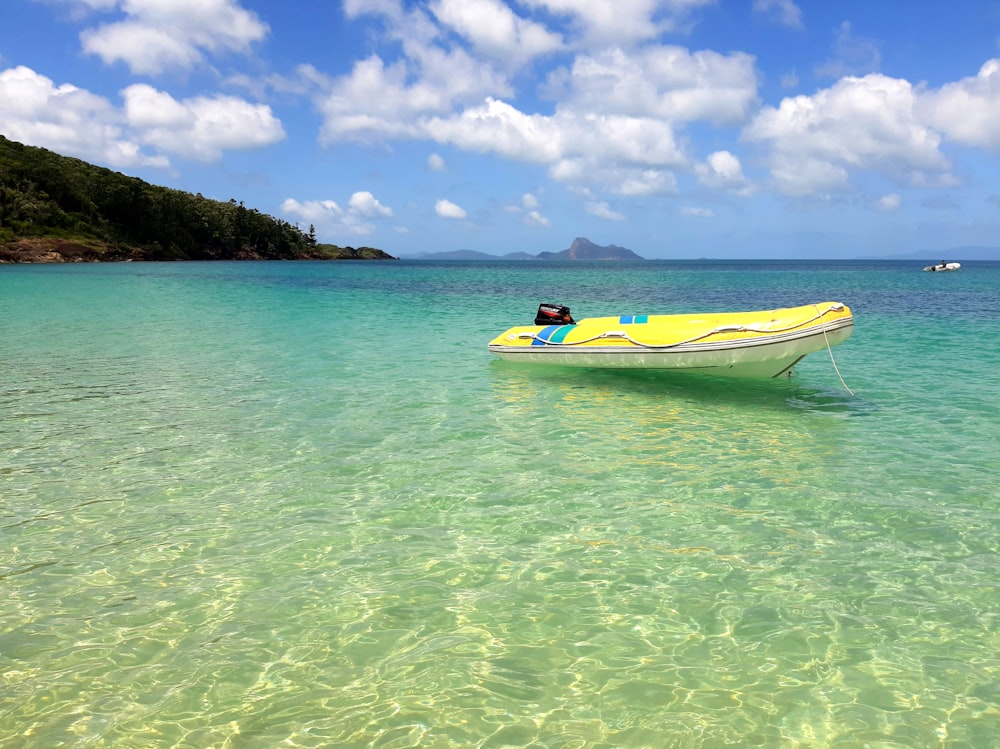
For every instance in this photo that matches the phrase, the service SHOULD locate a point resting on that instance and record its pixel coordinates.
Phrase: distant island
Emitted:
(581, 249)
(57, 209)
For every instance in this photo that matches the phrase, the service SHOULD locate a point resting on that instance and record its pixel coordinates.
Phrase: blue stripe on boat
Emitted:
(632, 319)
(542, 336)
(625, 319)
(641, 318)
(560, 334)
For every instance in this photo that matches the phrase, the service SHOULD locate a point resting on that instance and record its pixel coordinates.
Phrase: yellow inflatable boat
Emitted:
(737, 344)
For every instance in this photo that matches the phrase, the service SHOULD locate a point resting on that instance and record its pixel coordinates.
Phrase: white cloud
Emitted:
(619, 110)
(697, 212)
(868, 123)
(575, 146)
(599, 169)
(435, 163)
(622, 21)
(785, 12)
(447, 209)
(807, 177)
(669, 83)
(534, 218)
(602, 210)
(68, 120)
(968, 111)
(643, 182)
(722, 170)
(364, 203)
(392, 98)
(144, 48)
(392, 101)
(355, 8)
(313, 211)
(161, 35)
(528, 209)
(889, 202)
(332, 220)
(407, 25)
(200, 128)
(497, 127)
(495, 31)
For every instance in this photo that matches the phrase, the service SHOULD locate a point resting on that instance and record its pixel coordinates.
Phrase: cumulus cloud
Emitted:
(499, 128)
(389, 98)
(68, 120)
(622, 21)
(784, 12)
(495, 30)
(200, 128)
(577, 148)
(722, 170)
(603, 210)
(435, 163)
(619, 109)
(968, 111)
(529, 209)
(365, 204)
(329, 218)
(447, 209)
(669, 83)
(868, 123)
(378, 100)
(313, 211)
(157, 36)
(641, 181)
(889, 202)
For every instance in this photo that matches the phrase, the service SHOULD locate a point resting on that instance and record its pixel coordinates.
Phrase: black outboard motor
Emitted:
(553, 314)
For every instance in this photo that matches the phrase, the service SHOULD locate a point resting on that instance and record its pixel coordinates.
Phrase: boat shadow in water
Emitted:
(779, 394)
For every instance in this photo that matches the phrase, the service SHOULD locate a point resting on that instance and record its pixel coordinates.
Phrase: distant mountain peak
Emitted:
(583, 249)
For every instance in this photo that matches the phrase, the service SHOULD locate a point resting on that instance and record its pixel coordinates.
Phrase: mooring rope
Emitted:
(833, 361)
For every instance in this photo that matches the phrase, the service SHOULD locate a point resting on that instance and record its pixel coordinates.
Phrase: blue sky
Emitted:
(676, 128)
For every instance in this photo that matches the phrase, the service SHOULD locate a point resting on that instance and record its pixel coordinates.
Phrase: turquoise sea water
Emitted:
(300, 505)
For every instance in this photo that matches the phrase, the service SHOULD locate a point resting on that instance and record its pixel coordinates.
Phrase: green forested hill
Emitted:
(58, 209)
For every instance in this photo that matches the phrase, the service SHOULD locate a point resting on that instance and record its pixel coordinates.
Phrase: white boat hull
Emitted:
(946, 267)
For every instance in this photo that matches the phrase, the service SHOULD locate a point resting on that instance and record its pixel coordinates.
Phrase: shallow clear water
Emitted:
(299, 504)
